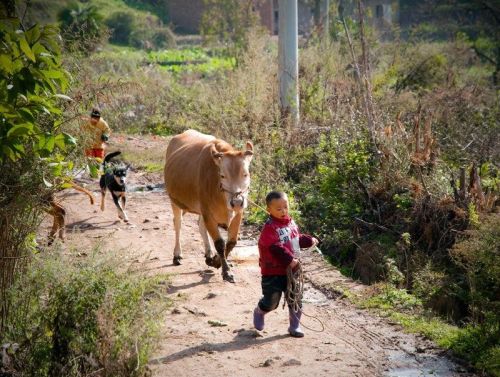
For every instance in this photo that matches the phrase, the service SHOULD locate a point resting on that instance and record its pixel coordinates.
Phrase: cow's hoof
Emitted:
(213, 261)
(177, 261)
(228, 277)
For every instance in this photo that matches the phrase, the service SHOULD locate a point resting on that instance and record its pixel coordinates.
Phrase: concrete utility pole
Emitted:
(288, 63)
(326, 26)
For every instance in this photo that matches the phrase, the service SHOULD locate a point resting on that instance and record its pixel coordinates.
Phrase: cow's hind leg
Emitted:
(177, 212)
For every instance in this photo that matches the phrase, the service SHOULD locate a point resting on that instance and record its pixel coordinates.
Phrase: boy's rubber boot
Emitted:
(258, 318)
(294, 329)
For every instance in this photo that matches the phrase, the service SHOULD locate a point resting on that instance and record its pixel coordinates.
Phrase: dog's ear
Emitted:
(128, 166)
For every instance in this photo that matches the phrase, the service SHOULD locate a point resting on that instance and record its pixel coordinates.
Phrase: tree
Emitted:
(82, 26)
(32, 146)
(228, 22)
(476, 20)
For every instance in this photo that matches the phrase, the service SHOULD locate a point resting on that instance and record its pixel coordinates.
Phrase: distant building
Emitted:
(186, 15)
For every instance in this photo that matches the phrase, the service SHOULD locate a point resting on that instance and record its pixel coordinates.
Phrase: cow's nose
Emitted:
(237, 201)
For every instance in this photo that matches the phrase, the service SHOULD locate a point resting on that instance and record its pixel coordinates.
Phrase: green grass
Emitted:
(476, 344)
(151, 159)
(192, 60)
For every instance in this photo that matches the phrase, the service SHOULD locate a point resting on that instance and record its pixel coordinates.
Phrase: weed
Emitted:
(76, 316)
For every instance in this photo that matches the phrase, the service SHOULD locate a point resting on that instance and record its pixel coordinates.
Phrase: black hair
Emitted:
(96, 113)
(275, 195)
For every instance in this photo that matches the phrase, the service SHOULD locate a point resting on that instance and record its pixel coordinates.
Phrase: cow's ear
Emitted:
(249, 152)
(216, 155)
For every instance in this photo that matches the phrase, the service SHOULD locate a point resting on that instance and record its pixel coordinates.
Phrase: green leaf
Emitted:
(6, 64)
(19, 148)
(9, 152)
(69, 140)
(24, 129)
(26, 49)
(47, 183)
(50, 142)
(33, 34)
(60, 141)
(53, 74)
(38, 49)
(65, 97)
(56, 170)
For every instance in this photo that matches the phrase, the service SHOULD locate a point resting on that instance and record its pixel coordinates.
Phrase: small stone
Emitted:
(216, 323)
(146, 221)
(267, 363)
(291, 363)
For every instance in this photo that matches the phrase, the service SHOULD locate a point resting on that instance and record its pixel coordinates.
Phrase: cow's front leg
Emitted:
(226, 271)
(220, 245)
(210, 260)
(232, 233)
(177, 212)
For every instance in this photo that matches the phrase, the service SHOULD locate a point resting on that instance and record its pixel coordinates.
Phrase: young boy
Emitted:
(279, 244)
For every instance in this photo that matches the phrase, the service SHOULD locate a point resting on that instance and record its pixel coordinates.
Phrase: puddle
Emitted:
(159, 187)
(314, 296)
(245, 252)
(408, 365)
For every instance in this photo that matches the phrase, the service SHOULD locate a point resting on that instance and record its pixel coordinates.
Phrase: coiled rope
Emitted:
(294, 293)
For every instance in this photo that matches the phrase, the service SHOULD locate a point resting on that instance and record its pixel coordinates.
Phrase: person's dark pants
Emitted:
(272, 288)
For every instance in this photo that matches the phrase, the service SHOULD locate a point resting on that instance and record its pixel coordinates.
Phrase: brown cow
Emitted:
(206, 176)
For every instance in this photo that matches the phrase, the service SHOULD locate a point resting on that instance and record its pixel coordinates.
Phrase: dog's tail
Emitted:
(109, 156)
(84, 190)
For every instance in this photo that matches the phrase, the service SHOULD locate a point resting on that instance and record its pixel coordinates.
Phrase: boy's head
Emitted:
(277, 204)
(95, 115)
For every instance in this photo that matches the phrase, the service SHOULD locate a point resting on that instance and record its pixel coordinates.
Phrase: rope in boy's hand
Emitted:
(295, 291)
(294, 287)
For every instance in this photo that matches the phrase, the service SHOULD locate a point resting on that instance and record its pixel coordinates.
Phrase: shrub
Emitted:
(82, 26)
(73, 317)
(33, 148)
(122, 25)
(479, 257)
(152, 38)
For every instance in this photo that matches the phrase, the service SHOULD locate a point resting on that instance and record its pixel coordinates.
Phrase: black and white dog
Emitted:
(114, 180)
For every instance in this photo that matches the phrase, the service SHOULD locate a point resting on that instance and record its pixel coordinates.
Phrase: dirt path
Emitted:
(209, 331)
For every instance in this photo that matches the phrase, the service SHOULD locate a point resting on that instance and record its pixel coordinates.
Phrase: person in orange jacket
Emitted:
(98, 132)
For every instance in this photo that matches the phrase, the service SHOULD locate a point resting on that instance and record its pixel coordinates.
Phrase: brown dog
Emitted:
(59, 213)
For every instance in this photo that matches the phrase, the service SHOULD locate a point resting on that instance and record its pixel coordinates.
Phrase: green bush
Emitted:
(82, 26)
(73, 317)
(122, 25)
(479, 257)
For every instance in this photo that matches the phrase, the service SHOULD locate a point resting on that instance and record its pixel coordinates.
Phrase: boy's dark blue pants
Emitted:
(272, 288)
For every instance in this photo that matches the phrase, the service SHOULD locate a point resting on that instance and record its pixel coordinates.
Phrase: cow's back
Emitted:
(187, 153)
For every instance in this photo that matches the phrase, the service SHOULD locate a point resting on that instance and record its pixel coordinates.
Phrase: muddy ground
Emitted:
(209, 331)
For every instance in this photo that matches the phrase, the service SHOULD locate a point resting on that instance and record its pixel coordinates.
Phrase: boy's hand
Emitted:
(315, 241)
(294, 263)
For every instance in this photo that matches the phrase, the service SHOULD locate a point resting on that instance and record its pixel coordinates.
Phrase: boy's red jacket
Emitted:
(279, 242)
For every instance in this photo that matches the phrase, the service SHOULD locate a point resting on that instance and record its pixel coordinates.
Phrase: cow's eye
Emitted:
(222, 176)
